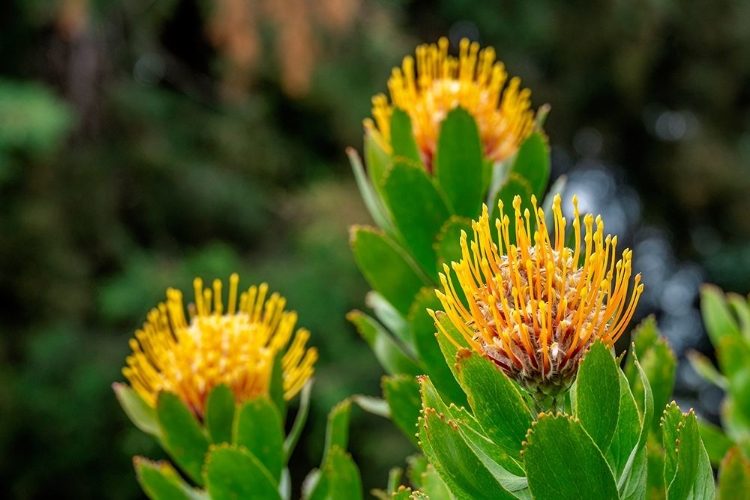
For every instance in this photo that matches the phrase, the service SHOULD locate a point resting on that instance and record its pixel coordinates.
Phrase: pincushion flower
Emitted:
(440, 83)
(534, 308)
(190, 356)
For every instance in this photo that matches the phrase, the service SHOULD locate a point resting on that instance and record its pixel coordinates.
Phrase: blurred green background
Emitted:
(147, 143)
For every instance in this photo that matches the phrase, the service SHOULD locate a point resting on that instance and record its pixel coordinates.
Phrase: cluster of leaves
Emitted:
(420, 218)
(605, 443)
(237, 451)
(727, 320)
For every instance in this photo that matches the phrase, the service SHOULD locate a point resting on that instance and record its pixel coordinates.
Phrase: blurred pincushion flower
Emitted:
(237, 348)
(440, 83)
(534, 309)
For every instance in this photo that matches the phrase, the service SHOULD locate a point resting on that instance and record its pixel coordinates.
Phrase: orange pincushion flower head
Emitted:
(534, 308)
(236, 347)
(440, 83)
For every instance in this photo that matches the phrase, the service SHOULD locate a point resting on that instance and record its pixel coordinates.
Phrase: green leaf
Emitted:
(448, 336)
(645, 335)
(627, 433)
(655, 486)
(385, 267)
(686, 468)
(428, 349)
(706, 369)
(733, 355)
(389, 317)
(138, 411)
(496, 402)
(339, 478)
(160, 481)
(299, 421)
(459, 165)
(418, 210)
(337, 428)
(532, 163)
(422, 475)
(235, 474)
(448, 244)
(716, 442)
(455, 462)
(660, 365)
(402, 394)
(220, 414)
(716, 315)
(372, 199)
(403, 493)
(377, 162)
(390, 355)
(402, 139)
(184, 438)
(259, 429)
(636, 482)
(741, 309)
(500, 464)
(562, 461)
(598, 395)
(734, 476)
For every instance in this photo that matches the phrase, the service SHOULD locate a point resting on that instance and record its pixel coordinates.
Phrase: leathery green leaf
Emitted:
(716, 314)
(160, 481)
(386, 267)
(376, 160)
(390, 354)
(627, 432)
(220, 414)
(506, 470)
(448, 244)
(184, 438)
(259, 429)
(562, 461)
(418, 211)
(428, 349)
(455, 462)
(390, 318)
(402, 394)
(734, 476)
(402, 139)
(233, 473)
(716, 442)
(373, 199)
(459, 165)
(496, 402)
(337, 427)
(532, 163)
(338, 478)
(140, 413)
(598, 395)
(687, 472)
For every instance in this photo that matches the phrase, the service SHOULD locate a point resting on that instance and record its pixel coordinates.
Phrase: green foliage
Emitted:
(161, 482)
(459, 166)
(556, 471)
(233, 473)
(734, 476)
(338, 477)
(421, 214)
(258, 429)
(184, 438)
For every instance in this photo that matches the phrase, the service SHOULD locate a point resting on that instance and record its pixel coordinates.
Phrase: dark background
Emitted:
(146, 143)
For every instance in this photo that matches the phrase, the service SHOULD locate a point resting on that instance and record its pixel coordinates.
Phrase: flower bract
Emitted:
(438, 82)
(534, 306)
(237, 346)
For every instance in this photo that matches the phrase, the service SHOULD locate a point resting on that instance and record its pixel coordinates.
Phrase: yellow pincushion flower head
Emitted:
(440, 83)
(534, 309)
(237, 347)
